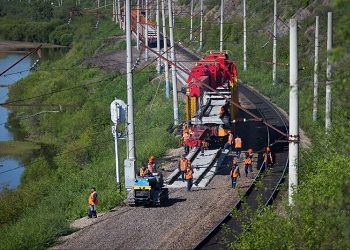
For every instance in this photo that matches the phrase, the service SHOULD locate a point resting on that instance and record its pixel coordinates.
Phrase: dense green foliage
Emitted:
(39, 21)
(77, 147)
(320, 217)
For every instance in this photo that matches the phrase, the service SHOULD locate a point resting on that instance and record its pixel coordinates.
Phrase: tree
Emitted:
(41, 10)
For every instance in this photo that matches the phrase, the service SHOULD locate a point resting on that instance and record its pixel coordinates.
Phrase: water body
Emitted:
(11, 169)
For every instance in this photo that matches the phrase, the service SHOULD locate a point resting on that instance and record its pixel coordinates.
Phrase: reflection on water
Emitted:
(11, 169)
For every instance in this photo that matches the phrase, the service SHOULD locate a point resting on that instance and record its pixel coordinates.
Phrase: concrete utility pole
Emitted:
(146, 31)
(138, 26)
(130, 162)
(274, 47)
(191, 21)
(173, 69)
(119, 14)
(314, 111)
(201, 28)
(329, 74)
(124, 23)
(293, 111)
(165, 47)
(158, 37)
(222, 25)
(244, 37)
(113, 10)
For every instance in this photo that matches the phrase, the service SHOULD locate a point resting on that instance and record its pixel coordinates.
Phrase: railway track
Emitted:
(270, 180)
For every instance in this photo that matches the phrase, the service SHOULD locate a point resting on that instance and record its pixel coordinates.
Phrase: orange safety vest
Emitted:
(234, 173)
(91, 199)
(189, 174)
(143, 172)
(238, 142)
(186, 136)
(183, 164)
(230, 139)
(248, 161)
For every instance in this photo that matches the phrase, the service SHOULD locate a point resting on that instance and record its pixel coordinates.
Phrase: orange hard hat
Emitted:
(152, 157)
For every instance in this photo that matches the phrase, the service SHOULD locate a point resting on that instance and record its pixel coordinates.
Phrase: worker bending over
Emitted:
(189, 177)
(234, 174)
(93, 202)
(183, 163)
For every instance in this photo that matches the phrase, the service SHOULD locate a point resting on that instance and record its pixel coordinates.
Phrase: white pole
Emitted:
(113, 10)
(293, 111)
(274, 47)
(244, 37)
(119, 14)
(191, 21)
(173, 69)
(165, 47)
(138, 26)
(158, 37)
(329, 74)
(146, 31)
(116, 154)
(129, 80)
(201, 28)
(124, 23)
(314, 111)
(222, 25)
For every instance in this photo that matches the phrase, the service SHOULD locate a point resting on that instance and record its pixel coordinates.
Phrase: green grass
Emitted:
(17, 148)
(77, 144)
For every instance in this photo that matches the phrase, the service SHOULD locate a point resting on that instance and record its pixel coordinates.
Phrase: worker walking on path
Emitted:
(189, 177)
(238, 146)
(183, 163)
(229, 143)
(93, 202)
(268, 161)
(151, 166)
(248, 165)
(234, 174)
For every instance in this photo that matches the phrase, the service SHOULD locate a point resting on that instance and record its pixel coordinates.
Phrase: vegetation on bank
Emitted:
(320, 217)
(76, 144)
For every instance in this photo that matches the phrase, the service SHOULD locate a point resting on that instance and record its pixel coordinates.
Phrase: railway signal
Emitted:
(293, 111)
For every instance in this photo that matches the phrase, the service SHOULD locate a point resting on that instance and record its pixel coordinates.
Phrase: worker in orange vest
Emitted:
(267, 156)
(144, 171)
(151, 166)
(93, 202)
(189, 177)
(183, 163)
(229, 143)
(248, 165)
(234, 174)
(185, 136)
(238, 146)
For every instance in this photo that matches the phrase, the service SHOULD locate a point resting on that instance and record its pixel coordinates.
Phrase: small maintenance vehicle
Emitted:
(148, 190)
